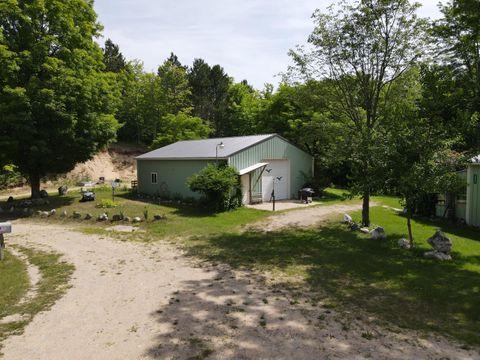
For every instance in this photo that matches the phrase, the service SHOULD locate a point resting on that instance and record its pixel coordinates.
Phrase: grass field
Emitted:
(55, 276)
(14, 283)
(342, 268)
(349, 269)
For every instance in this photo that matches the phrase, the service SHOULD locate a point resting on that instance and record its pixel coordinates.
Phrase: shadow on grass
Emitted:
(395, 285)
(468, 232)
(13, 210)
(180, 209)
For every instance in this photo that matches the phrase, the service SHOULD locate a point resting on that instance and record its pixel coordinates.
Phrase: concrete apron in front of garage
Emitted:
(281, 205)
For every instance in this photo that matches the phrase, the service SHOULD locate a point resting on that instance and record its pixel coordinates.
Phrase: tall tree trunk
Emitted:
(366, 208)
(35, 184)
(409, 225)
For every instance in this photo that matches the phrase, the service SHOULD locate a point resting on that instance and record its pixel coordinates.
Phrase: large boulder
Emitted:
(378, 233)
(439, 242)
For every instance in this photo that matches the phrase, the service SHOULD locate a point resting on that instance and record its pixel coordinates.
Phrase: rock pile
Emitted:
(442, 247)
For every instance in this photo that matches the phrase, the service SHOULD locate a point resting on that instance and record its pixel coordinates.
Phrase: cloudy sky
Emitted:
(249, 38)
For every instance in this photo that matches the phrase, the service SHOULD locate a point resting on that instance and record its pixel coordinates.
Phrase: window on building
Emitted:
(154, 177)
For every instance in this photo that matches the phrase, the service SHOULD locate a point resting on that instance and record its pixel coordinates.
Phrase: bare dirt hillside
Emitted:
(117, 162)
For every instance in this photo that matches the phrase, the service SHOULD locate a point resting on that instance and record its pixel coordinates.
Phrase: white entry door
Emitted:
(277, 171)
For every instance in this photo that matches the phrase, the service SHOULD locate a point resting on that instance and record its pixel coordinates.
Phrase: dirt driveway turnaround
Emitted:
(148, 301)
(304, 217)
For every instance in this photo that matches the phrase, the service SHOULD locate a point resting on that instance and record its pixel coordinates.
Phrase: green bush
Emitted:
(220, 185)
(107, 204)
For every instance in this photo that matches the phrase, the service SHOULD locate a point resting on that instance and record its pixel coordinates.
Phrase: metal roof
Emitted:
(252, 168)
(205, 149)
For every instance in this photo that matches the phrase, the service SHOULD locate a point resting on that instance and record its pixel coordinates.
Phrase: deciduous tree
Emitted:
(56, 102)
(363, 47)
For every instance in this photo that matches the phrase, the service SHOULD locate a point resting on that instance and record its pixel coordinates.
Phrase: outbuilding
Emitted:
(473, 192)
(465, 205)
(264, 163)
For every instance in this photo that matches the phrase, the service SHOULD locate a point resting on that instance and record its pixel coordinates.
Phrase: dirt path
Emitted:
(148, 301)
(304, 217)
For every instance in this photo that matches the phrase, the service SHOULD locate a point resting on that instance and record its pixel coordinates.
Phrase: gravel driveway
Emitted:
(148, 301)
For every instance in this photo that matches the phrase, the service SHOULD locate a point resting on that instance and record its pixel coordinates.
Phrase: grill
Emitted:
(306, 195)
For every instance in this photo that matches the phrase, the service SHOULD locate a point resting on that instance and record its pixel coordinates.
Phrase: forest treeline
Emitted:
(384, 100)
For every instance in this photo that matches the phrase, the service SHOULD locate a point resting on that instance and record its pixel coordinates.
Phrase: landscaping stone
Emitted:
(43, 214)
(102, 217)
(76, 215)
(38, 202)
(378, 233)
(353, 226)
(127, 219)
(347, 219)
(26, 203)
(404, 243)
(158, 217)
(438, 255)
(117, 217)
(439, 242)
(52, 212)
(63, 190)
(136, 219)
(365, 230)
(88, 216)
(442, 246)
(43, 194)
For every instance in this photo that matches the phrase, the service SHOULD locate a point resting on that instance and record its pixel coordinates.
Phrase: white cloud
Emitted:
(249, 38)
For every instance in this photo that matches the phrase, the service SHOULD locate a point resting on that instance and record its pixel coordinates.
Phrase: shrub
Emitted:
(220, 185)
(107, 204)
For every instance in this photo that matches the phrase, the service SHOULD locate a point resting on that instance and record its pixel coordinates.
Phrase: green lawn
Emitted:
(342, 268)
(181, 220)
(14, 282)
(349, 269)
(55, 276)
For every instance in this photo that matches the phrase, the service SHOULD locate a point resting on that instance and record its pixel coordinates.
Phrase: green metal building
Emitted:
(473, 192)
(465, 205)
(264, 162)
